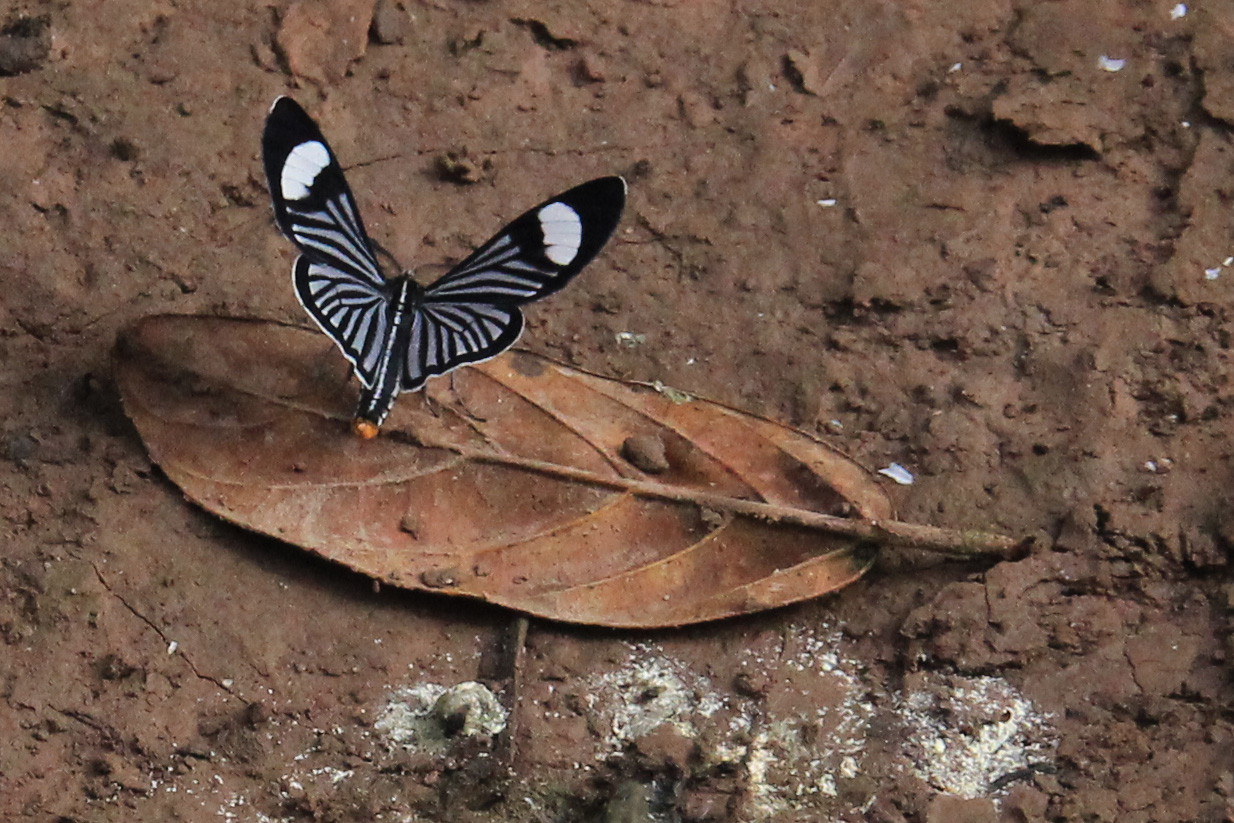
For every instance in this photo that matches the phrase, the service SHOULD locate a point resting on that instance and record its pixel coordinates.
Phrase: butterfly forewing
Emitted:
(337, 278)
(539, 252)
(471, 314)
(312, 203)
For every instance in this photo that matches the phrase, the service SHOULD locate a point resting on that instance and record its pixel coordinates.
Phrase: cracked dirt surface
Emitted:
(953, 238)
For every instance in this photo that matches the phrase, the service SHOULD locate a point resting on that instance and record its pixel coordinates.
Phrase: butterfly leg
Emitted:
(432, 405)
(462, 404)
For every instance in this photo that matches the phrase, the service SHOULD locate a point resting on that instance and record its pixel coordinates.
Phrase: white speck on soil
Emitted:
(898, 473)
(1110, 64)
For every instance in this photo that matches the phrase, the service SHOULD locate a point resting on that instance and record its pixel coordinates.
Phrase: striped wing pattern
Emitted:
(337, 278)
(353, 313)
(500, 272)
(472, 314)
(447, 335)
(469, 315)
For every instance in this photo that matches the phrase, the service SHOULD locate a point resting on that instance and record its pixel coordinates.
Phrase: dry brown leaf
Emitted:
(515, 481)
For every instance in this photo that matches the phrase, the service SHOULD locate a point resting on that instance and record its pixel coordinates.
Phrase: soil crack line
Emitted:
(550, 151)
(155, 628)
(86, 720)
(1135, 675)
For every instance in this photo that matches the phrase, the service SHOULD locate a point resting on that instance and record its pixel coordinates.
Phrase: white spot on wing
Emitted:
(563, 231)
(303, 165)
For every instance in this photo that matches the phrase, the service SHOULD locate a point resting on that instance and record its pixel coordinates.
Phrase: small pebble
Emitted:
(645, 452)
(390, 23)
(24, 46)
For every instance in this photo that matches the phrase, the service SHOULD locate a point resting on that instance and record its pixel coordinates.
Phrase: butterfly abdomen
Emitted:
(376, 399)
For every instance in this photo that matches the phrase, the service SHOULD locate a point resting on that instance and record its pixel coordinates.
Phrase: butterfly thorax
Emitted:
(375, 401)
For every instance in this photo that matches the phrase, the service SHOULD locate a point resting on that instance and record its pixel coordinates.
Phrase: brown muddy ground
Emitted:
(946, 235)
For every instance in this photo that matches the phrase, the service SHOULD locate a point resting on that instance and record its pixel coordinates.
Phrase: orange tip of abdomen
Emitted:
(364, 428)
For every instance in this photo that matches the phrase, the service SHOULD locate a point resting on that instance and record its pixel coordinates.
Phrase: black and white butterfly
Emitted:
(395, 332)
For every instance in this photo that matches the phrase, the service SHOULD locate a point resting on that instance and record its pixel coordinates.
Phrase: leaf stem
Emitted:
(952, 542)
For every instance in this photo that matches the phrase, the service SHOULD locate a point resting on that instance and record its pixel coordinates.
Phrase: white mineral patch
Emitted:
(797, 759)
(963, 733)
(412, 717)
(649, 691)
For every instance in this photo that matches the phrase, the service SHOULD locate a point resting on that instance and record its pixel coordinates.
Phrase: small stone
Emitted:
(751, 684)
(24, 45)
(469, 709)
(17, 447)
(666, 746)
(256, 714)
(440, 578)
(645, 452)
(458, 167)
(1025, 803)
(947, 808)
(114, 667)
(122, 773)
(390, 23)
(123, 149)
(802, 71)
(590, 69)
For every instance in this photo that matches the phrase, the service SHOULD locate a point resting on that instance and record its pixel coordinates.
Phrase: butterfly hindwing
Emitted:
(445, 336)
(540, 252)
(312, 203)
(354, 313)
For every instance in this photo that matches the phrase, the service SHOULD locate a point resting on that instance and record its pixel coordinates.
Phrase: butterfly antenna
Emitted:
(384, 252)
